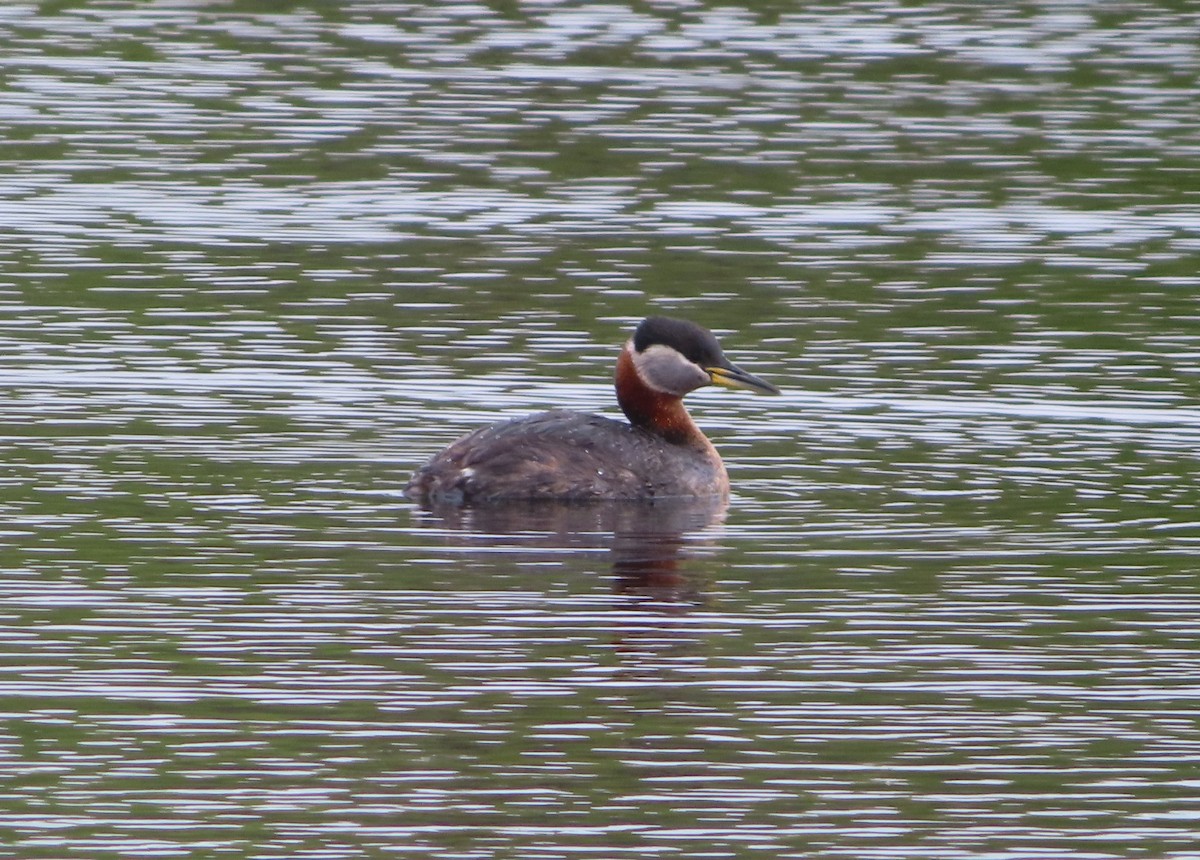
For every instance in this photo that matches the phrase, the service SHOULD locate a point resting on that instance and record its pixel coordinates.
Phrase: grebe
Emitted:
(571, 456)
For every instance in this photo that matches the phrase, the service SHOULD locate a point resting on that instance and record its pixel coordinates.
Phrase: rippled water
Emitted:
(258, 261)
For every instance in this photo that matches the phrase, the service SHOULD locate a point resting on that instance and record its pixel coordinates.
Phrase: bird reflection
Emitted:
(644, 540)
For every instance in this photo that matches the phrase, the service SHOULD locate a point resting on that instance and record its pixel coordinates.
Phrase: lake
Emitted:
(259, 261)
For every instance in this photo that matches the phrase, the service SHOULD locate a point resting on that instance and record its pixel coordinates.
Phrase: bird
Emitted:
(572, 456)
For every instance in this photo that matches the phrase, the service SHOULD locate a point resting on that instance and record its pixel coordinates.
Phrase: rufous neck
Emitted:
(655, 411)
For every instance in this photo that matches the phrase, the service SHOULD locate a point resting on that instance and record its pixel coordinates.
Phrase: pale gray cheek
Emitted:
(687, 378)
(668, 371)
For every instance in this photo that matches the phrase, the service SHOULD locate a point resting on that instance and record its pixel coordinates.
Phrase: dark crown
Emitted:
(693, 342)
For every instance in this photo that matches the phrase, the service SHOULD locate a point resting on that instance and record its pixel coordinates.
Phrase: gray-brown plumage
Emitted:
(572, 456)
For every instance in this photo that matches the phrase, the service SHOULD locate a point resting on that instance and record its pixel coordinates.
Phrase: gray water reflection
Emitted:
(258, 263)
(643, 543)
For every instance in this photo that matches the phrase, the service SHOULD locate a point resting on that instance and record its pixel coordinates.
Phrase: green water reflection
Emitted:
(258, 261)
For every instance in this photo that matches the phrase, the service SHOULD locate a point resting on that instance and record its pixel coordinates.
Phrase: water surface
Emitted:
(257, 264)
